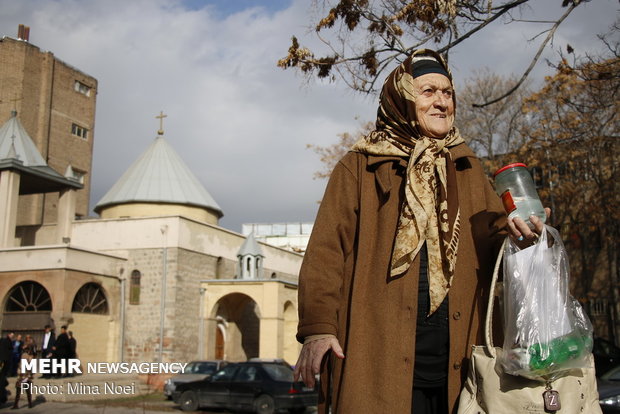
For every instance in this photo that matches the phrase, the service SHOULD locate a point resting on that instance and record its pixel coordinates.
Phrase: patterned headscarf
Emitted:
(431, 210)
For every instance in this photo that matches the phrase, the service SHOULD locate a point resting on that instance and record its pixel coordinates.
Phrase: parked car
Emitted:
(194, 371)
(609, 391)
(264, 387)
(606, 355)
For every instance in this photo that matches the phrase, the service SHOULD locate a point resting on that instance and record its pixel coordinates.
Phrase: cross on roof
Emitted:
(161, 117)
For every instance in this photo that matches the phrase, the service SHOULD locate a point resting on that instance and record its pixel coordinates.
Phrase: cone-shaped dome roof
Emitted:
(16, 143)
(250, 247)
(159, 176)
(18, 152)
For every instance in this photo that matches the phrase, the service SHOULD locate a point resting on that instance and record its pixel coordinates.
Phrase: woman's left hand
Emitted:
(522, 234)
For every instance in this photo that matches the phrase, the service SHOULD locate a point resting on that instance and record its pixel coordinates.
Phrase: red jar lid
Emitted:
(504, 168)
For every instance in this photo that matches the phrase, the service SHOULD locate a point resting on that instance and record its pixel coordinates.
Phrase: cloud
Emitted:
(239, 122)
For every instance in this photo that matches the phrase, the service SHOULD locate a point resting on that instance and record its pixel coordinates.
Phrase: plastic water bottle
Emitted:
(516, 188)
(558, 351)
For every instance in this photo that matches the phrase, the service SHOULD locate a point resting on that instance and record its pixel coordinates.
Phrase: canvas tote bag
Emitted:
(489, 390)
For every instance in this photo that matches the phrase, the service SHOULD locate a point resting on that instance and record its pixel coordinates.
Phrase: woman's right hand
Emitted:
(312, 353)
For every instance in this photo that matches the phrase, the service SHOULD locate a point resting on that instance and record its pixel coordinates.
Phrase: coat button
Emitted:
(456, 315)
(457, 365)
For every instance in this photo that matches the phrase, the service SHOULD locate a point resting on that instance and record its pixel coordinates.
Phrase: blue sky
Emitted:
(239, 122)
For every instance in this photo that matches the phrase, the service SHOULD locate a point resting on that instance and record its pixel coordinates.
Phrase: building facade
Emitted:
(155, 278)
(56, 103)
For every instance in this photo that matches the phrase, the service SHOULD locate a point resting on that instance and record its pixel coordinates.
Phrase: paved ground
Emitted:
(54, 396)
(153, 405)
(75, 408)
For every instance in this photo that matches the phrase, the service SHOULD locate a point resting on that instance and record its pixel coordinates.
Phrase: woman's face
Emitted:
(434, 105)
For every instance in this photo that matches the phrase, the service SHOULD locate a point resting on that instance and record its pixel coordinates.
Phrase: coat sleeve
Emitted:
(331, 243)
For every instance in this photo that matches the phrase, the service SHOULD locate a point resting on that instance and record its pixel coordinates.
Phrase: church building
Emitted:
(154, 278)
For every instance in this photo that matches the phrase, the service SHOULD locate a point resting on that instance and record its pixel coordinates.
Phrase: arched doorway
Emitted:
(27, 309)
(238, 327)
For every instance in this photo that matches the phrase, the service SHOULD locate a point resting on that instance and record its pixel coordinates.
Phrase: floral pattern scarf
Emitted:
(431, 210)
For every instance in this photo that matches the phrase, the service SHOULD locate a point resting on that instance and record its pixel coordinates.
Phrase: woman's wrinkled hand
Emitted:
(522, 234)
(312, 353)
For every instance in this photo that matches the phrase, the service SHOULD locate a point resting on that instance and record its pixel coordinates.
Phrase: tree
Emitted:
(331, 154)
(494, 129)
(368, 36)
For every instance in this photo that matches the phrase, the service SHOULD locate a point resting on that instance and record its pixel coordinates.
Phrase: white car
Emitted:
(194, 371)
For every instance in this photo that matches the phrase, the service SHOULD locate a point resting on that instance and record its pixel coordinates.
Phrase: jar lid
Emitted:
(504, 168)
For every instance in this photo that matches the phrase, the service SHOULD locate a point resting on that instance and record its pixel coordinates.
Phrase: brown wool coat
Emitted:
(344, 286)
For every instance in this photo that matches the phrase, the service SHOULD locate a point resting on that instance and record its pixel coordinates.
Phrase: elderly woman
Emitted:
(400, 259)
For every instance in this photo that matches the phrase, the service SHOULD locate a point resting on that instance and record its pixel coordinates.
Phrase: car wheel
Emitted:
(264, 405)
(188, 401)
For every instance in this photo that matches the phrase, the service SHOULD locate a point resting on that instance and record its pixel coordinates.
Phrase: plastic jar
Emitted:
(515, 186)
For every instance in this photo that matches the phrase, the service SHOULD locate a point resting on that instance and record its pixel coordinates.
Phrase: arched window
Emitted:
(90, 299)
(28, 297)
(134, 288)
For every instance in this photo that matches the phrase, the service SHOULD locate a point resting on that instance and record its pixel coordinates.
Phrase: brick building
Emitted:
(56, 103)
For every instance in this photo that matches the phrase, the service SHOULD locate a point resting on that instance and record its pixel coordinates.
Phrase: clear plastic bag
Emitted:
(545, 329)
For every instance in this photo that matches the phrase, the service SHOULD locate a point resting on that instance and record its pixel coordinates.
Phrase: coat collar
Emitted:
(382, 164)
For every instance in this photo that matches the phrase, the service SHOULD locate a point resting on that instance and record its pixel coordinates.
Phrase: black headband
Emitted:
(424, 66)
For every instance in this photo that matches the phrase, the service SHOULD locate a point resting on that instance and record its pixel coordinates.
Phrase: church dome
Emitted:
(159, 183)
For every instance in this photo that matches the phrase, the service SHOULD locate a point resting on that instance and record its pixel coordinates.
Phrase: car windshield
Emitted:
(201, 368)
(279, 372)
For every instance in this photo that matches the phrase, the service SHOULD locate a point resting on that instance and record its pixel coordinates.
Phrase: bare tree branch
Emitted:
(534, 60)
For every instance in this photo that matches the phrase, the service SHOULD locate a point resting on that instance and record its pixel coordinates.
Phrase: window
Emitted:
(225, 375)
(90, 299)
(79, 131)
(279, 372)
(247, 374)
(28, 297)
(134, 288)
(77, 175)
(81, 88)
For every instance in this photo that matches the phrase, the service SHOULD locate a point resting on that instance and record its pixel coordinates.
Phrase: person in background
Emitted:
(29, 349)
(6, 353)
(23, 378)
(61, 348)
(401, 256)
(72, 349)
(47, 346)
(16, 354)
